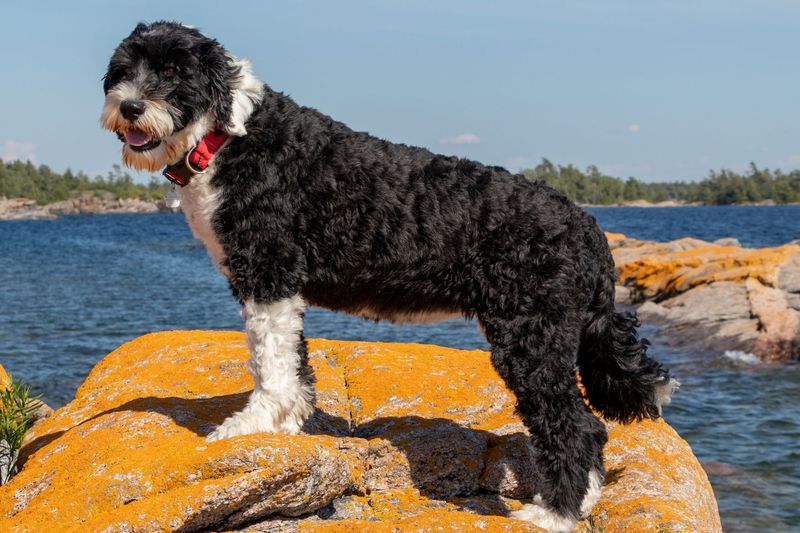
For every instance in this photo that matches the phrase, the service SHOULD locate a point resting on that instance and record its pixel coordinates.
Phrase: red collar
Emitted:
(197, 159)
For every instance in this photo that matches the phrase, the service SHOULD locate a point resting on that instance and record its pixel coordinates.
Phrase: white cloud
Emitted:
(13, 150)
(463, 138)
(634, 128)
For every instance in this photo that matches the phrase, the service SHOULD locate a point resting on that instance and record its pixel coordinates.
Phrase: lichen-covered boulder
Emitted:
(715, 296)
(405, 438)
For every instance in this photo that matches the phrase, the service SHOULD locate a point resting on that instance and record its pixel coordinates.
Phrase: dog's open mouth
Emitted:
(139, 141)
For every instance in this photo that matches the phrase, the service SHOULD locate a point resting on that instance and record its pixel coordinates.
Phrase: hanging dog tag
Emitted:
(173, 199)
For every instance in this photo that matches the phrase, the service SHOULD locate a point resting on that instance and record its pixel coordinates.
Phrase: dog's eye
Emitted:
(169, 71)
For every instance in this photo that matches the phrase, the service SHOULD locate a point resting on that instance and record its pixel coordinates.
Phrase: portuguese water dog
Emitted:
(296, 208)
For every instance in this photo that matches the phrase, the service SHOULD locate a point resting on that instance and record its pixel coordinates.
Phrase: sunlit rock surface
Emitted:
(406, 438)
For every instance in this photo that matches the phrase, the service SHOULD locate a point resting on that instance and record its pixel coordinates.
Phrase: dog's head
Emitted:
(166, 86)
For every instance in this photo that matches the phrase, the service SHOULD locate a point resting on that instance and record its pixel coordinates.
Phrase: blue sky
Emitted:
(658, 89)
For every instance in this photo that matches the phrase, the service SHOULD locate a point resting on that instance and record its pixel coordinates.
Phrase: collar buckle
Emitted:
(187, 161)
(181, 173)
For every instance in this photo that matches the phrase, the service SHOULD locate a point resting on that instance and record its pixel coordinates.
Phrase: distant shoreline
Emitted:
(27, 209)
(674, 203)
(645, 203)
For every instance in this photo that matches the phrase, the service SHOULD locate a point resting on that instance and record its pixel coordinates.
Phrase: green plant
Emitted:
(17, 414)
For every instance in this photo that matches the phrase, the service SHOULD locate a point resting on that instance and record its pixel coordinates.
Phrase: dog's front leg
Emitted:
(283, 396)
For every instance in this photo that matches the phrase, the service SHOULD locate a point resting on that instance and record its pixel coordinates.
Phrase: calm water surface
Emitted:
(73, 289)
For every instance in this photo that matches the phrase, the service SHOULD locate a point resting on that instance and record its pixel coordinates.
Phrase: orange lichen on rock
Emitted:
(390, 384)
(405, 438)
(5, 380)
(630, 456)
(670, 273)
(433, 520)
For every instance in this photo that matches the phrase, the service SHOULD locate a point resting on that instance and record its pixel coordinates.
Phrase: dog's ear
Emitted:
(222, 76)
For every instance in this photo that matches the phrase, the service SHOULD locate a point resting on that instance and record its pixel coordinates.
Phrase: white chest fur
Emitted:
(199, 202)
(199, 199)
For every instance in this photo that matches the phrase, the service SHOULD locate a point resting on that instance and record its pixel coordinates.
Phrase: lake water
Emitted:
(73, 289)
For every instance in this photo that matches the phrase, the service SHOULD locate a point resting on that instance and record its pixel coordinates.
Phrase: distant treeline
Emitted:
(724, 187)
(24, 179)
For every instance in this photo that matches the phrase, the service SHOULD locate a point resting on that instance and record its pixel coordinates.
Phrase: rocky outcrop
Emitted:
(95, 206)
(85, 204)
(715, 296)
(405, 438)
(23, 209)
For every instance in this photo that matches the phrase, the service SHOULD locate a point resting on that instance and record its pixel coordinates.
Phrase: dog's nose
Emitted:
(131, 109)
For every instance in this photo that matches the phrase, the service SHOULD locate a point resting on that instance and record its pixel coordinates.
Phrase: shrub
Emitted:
(17, 414)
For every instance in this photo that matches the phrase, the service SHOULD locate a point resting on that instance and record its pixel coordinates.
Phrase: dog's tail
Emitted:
(620, 380)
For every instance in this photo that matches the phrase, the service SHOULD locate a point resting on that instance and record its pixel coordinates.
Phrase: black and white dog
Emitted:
(296, 208)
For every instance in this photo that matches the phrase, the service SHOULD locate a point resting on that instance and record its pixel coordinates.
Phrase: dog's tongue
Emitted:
(137, 138)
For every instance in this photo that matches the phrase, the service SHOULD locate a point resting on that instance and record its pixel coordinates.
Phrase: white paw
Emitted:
(538, 513)
(263, 414)
(303, 408)
(544, 518)
(244, 423)
(292, 425)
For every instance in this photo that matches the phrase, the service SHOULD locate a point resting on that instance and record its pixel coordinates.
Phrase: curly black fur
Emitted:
(352, 222)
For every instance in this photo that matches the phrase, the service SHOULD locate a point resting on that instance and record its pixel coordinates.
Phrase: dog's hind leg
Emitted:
(283, 397)
(536, 357)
